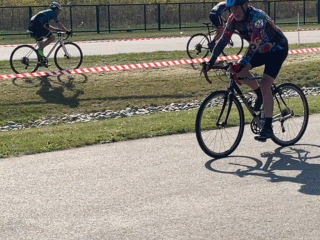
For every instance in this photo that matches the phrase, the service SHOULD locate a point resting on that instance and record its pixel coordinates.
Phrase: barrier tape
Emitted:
(136, 66)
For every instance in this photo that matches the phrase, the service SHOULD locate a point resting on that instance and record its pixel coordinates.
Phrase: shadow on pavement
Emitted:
(279, 166)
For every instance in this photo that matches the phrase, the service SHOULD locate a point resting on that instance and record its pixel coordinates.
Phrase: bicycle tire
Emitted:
(24, 59)
(70, 60)
(235, 47)
(198, 46)
(219, 141)
(290, 120)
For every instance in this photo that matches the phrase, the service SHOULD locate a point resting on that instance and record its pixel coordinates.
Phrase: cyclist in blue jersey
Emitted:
(267, 46)
(40, 28)
(216, 19)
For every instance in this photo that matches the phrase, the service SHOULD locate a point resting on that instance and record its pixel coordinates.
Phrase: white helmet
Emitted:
(55, 5)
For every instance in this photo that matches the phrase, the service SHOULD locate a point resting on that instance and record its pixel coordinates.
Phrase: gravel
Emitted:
(128, 112)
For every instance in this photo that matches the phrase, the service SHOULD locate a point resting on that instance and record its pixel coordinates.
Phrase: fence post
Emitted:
(304, 12)
(109, 19)
(179, 15)
(269, 8)
(71, 23)
(159, 17)
(98, 18)
(274, 12)
(145, 16)
(30, 12)
(319, 11)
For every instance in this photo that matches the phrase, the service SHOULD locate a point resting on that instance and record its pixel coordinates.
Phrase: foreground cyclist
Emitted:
(40, 28)
(267, 46)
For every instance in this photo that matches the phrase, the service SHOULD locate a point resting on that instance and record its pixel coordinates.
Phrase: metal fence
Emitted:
(132, 17)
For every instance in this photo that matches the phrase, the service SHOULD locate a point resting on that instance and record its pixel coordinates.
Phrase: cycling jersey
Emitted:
(258, 29)
(39, 23)
(44, 17)
(216, 12)
(219, 8)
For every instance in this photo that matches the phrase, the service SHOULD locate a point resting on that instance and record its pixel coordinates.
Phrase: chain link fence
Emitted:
(132, 17)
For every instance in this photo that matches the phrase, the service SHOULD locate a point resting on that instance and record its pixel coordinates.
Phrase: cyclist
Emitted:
(40, 28)
(267, 46)
(216, 19)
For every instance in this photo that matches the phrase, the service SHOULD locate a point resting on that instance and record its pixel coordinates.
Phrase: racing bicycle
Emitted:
(200, 44)
(67, 56)
(220, 119)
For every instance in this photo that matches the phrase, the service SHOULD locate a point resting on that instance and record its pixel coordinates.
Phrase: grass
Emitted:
(23, 100)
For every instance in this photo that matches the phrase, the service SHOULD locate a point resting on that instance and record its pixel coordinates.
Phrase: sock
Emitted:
(258, 92)
(40, 51)
(268, 123)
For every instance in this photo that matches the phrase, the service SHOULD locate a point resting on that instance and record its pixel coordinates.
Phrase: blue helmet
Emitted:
(232, 3)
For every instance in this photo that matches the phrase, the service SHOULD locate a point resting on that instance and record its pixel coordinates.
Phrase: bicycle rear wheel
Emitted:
(235, 46)
(68, 57)
(290, 114)
(198, 46)
(24, 59)
(219, 124)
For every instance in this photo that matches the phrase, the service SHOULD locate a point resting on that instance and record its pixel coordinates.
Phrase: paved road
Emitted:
(164, 188)
(168, 44)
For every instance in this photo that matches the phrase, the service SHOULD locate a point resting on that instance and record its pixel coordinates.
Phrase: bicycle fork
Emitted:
(226, 100)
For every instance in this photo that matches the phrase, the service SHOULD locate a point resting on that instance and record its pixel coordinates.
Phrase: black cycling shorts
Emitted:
(216, 19)
(38, 31)
(272, 60)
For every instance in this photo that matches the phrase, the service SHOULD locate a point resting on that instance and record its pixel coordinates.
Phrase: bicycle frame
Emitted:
(235, 91)
(59, 41)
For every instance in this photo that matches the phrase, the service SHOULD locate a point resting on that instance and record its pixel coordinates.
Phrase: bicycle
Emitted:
(67, 55)
(200, 44)
(220, 119)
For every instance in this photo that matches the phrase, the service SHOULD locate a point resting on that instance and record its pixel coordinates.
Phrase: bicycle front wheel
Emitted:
(24, 59)
(235, 46)
(290, 114)
(219, 124)
(68, 56)
(198, 46)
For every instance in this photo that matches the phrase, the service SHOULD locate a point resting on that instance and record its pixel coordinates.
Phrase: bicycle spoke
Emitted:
(68, 57)
(290, 115)
(24, 59)
(218, 137)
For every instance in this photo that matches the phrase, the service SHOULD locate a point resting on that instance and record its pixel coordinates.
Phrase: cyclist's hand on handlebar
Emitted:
(69, 33)
(206, 66)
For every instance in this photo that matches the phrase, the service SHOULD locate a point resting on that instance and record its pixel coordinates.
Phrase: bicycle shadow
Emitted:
(53, 91)
(280, 166)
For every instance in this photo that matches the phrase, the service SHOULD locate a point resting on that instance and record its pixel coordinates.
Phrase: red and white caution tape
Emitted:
(136, 66)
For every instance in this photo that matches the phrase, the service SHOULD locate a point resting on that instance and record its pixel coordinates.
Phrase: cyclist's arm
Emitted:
(59, 27)
(223, 41)
(62, 27)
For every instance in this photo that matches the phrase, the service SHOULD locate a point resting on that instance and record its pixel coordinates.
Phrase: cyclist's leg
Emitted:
(49, 39)
(273, 64)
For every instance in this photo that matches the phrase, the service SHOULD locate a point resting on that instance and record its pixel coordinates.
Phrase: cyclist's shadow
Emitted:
(55, 94)
(298, 157)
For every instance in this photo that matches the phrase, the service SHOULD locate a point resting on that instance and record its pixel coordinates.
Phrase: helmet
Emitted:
(232, 3)
(55, 5)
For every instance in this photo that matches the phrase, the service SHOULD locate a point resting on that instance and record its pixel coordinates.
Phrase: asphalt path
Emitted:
(162, 44)
(164, 188)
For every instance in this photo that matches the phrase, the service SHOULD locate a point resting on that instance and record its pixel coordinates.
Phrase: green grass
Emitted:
(23, 100)
(60, 137)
